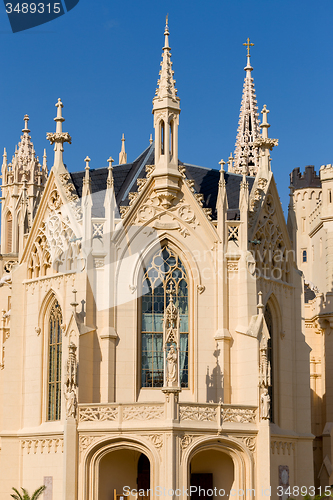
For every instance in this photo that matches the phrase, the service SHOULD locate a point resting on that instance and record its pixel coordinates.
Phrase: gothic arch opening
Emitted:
(210, 469)
(273, 321)
(123, 470)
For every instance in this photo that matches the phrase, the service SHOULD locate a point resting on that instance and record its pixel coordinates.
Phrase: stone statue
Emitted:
(171, 366)
(70, 385)
(71, 402)
(265, 405)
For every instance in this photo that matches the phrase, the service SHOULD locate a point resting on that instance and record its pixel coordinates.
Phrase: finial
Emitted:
(59, 137)
(222, 163)
(26, 121)
(87, 160)
(166, 33)
(59, 105)
(109, 181)
(74, 304)
(171, 291)
(221, 181)
(122, 154)
(151, 139)
(87, 168)
(265, 125)
(260, 305)
(230, 163)
(248, 45)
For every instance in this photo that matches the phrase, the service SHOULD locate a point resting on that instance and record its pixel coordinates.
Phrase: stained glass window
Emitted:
(54, 363)
(164, 270)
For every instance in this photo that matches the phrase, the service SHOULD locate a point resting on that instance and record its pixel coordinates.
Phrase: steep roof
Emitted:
(205, 179)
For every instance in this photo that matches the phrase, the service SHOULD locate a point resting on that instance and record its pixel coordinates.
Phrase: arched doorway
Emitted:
(121, 471)
(211, 469)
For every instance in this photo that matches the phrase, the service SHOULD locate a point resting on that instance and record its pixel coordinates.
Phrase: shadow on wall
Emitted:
(214, 381)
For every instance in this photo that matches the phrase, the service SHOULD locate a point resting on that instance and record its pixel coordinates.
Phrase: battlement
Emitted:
(326, 172)
(310, 178)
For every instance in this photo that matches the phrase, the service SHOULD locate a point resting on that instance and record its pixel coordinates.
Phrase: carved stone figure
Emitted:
(265, 405)
(71, 401)
(171, 366)
(71, 382)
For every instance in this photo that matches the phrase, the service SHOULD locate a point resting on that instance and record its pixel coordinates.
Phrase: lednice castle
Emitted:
(162, 326)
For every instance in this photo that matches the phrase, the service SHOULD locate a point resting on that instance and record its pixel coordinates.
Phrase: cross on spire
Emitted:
(248, 45)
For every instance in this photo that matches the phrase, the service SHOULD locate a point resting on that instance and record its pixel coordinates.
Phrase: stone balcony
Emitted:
(209, 416)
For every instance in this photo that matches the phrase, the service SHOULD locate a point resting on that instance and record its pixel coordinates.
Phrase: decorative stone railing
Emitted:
(121, 412)
(189, 413)
(218, 413)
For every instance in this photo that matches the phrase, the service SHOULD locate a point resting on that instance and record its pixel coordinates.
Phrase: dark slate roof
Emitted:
(123, 176)
(308, 294)
(206, 182)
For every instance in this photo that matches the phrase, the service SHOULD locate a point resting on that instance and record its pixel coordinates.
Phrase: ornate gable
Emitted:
(184, 213)
(54, 243)
(269, 240)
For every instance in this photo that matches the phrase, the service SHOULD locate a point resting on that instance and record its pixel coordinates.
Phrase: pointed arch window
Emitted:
(171, 139)
(9, 233)
(162, 136)
(165, 269)
(269, 322)
(54, 363)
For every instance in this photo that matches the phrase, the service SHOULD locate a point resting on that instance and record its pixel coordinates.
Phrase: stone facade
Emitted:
(151, 325)
(310, 225)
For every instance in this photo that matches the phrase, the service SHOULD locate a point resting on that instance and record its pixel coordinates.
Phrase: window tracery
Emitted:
(54, 363)
(268, 246)
(165, 269)
(55, 246)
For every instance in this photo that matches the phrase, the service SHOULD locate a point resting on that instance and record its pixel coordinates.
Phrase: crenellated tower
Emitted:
(248, 125)
(166, 109)
(23, 182)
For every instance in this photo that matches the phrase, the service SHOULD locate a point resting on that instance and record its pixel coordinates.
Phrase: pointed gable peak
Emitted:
(26, 152)
(248, 125)
(166, 83)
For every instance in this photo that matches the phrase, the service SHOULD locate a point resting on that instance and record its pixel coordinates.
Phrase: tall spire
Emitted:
(59, 137)
(166, 111)
(248, 125)
(166, 83)
(122, 154)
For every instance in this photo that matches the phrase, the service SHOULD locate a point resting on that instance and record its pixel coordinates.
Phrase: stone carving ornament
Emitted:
(241, 415)
(98, 414)
(198, 413)
(143, 412)
(54, 201)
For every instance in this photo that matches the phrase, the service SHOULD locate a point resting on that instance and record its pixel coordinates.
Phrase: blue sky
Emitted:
(103, 58)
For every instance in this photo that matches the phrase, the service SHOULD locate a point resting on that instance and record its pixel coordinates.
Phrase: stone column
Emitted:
(70, 459)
